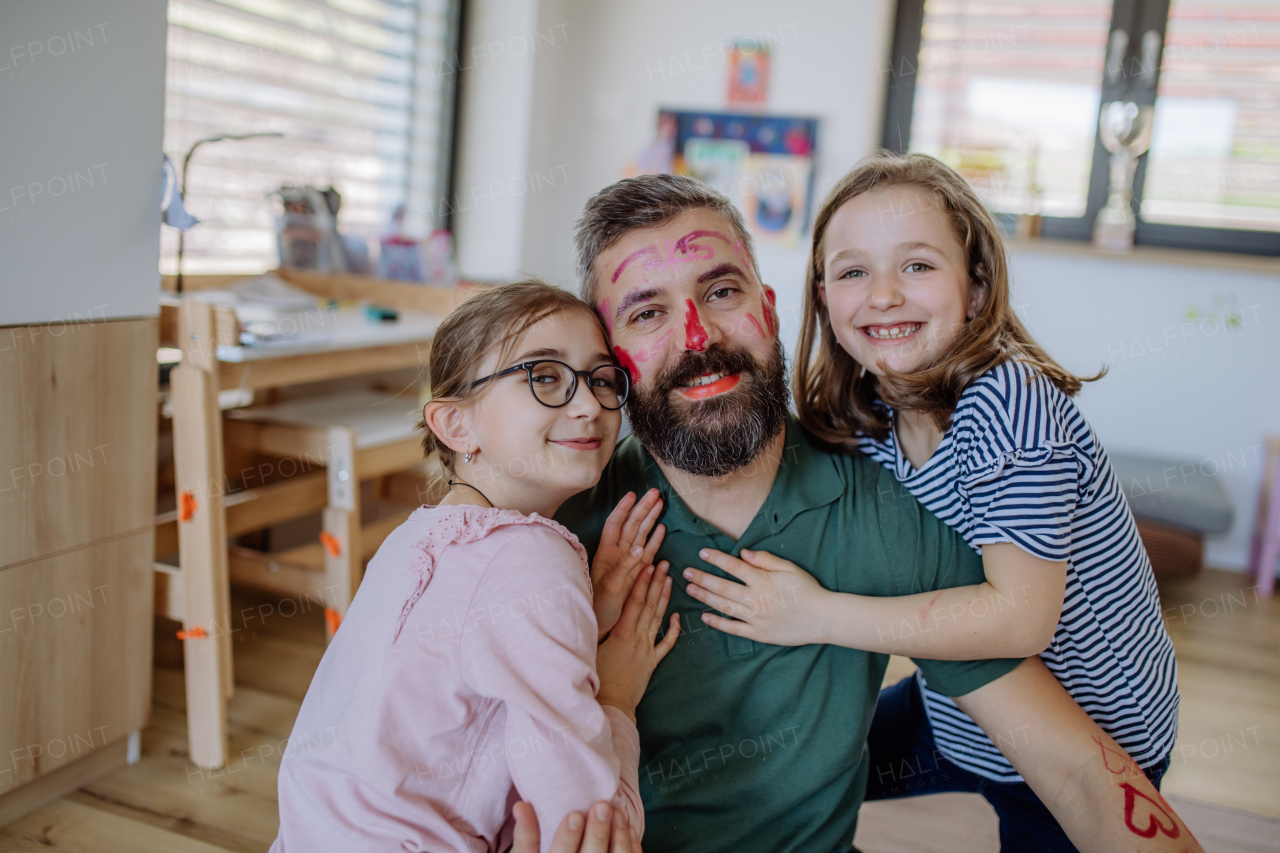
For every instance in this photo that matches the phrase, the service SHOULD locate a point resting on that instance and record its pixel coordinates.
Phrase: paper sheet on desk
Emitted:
(274, 313)
(295, 329)
(269, 291)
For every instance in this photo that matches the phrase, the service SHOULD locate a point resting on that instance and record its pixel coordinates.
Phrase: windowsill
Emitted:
(1150, 255)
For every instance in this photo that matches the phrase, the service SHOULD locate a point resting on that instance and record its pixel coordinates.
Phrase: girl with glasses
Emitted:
(466, 676)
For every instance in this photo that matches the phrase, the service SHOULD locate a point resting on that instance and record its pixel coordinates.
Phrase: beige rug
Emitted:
(965, 823)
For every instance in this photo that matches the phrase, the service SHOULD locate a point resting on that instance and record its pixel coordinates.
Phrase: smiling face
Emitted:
(698, 333)
(532, 454)
(896, 280)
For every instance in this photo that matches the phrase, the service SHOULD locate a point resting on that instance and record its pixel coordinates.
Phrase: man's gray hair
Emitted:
(647, 201)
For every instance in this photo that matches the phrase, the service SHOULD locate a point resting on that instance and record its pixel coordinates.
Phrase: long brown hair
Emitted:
(835, 395)
(494, 318)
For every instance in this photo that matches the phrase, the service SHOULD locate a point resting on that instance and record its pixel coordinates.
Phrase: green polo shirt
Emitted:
(752, 747)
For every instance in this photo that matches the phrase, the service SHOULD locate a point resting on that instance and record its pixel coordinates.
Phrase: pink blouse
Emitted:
(463, 679)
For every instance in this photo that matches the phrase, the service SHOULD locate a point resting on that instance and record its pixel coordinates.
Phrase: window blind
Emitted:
(354, 86)
(1215, 148)
(1008, 94)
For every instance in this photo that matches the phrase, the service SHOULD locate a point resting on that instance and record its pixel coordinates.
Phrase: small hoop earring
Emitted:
(467, 457)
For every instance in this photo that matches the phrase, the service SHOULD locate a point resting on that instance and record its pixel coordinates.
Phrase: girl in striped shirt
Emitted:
(911, 353)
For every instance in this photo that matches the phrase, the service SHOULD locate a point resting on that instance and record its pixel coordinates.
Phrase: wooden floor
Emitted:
(1228, 752)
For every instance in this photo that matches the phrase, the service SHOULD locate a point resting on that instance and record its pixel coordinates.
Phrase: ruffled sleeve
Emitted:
(1025, 462)
(467, 524)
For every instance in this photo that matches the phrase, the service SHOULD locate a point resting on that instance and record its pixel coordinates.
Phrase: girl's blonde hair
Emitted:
(835, 395)
(493, 318)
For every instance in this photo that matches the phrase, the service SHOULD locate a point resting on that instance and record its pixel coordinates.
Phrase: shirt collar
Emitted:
(807, 478)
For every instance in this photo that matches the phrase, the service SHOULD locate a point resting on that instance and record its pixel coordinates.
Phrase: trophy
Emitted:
(1125, 130)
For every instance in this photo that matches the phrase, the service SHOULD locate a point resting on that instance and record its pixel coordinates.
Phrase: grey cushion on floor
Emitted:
(1173, 492)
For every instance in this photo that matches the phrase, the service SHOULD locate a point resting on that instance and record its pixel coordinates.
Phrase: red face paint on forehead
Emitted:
(741, 253)
(684, 244)
(627, 364)
(695, 337)
(647, 251)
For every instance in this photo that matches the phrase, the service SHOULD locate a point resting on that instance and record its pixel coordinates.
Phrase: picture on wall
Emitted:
(763, 163)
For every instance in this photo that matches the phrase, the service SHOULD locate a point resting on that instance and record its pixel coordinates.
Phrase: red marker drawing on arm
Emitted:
(1154, 824)
(1134, 799)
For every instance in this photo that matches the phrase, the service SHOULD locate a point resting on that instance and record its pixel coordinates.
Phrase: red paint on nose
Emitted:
(628, 364)
(695, 337)
(769, 319)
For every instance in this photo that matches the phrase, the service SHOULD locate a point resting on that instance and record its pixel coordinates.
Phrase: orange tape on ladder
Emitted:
(196, 633)
(330, 543)
(332, 619)
(186, 506)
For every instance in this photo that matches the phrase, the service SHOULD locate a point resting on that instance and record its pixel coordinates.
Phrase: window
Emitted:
(1009, 93)
(356, 87)
(1011, 101)
(1215, 147)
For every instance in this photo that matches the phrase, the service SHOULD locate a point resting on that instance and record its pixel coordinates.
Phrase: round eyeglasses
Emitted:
(553, 383)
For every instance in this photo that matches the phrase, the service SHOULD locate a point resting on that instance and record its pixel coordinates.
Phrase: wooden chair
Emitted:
(196, 592)
(346, 439)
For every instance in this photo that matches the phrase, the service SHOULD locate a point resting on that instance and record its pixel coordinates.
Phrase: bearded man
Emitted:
(754, 747)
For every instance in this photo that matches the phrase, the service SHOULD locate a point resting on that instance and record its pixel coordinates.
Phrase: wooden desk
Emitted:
(198, 594)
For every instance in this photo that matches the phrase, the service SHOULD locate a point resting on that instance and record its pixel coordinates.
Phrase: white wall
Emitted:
(1186, 381)
(81, 123)
(497, 67)
(602, 71)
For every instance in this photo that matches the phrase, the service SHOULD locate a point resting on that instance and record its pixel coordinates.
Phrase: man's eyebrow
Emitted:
(723, 269)
(638, 253)
(636, 296)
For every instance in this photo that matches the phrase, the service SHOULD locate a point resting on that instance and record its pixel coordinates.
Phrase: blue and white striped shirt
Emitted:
(1020, 464)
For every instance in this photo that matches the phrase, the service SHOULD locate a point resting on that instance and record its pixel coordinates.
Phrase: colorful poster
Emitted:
(776, 192)
(749, 73)
(719, 163)
(763, 163)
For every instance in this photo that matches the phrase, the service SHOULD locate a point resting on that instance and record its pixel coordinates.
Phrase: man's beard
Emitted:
(717, 435)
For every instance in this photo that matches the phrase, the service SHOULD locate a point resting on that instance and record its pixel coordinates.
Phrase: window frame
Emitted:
(1132, 16)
